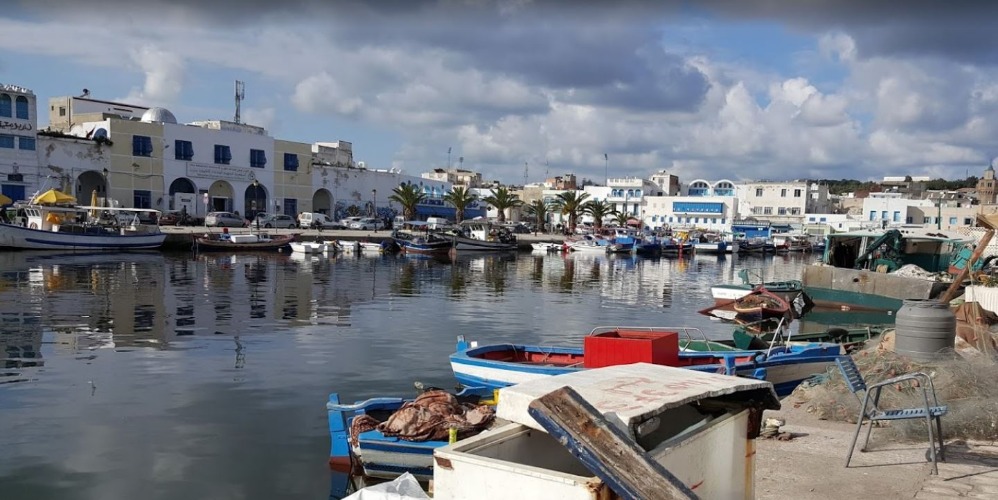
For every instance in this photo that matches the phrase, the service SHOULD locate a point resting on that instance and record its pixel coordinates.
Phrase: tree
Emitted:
(598, 210)
(570, 203)
(409, 196)
(502, 199)
(539, 210)
(459, 197)
(620, 218)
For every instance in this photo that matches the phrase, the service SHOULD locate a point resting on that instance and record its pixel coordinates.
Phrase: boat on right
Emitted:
(877, 270)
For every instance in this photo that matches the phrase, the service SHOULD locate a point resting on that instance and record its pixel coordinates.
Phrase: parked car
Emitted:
(224, 219)
(317, 221)
(368, 224)
(279, 221)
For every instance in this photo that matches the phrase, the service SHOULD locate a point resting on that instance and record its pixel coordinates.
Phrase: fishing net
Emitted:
(966, 383)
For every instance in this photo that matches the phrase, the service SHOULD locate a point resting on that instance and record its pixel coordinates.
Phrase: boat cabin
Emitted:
(887, 251)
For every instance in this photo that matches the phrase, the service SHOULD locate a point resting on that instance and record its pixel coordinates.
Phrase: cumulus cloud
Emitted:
(164, 76)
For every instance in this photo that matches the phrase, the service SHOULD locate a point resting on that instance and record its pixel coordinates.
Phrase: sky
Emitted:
(522, 89)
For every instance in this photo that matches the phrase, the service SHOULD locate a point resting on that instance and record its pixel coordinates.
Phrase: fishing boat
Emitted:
(226, 242)
(788, 290)
(545, 247)
(312, 247)
(862, 270)
(672, 247)
(588, 244)
(418, 239)
(501, 365)
(54, 222)
(359, 445)
(481, 235)
(715, 243)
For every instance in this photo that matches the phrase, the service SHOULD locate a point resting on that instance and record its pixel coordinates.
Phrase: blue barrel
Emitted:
(924, 330)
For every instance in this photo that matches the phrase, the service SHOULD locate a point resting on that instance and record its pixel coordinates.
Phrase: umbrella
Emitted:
(4, 200)
(52, 197)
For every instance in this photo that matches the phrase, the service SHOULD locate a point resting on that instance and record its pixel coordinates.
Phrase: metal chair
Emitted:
(872, 413)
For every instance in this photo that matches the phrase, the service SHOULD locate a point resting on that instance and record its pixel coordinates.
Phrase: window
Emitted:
(290, 163)
(141, 145)
(142, 198)
(796, 193)
(26, 143)
(873, 215)
(822, 219)
(909, 220)
(897, 216)
(223, 155)
(758, 192)
(767, 211)
(966, 221)
(5, 105)
(21, 107)
(6, 141)
(883, 215)
(781, 211)
(258, 159)
(183, 150)
(952, 221)
(927, 220)
(794, 210)
(62, 110)
(810, 219)
(756, 210)
(783, 193)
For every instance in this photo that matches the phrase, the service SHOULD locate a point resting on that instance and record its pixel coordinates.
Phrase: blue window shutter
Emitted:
(6, 141)
(5, 108)
(21, 105)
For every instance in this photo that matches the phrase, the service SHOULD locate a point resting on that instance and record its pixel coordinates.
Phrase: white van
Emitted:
(313, 220)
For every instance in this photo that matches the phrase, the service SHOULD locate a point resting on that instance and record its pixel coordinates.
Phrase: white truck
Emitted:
(313, 220)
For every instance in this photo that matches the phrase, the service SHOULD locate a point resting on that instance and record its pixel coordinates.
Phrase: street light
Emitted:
(256, 198)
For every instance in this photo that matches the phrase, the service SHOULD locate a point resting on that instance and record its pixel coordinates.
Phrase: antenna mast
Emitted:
(240, 95)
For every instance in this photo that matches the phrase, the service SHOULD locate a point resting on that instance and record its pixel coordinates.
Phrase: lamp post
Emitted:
(374, 207)
(106, 190)
(256, 199)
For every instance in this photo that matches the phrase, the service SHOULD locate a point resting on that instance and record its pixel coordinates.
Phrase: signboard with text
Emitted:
(219, 172)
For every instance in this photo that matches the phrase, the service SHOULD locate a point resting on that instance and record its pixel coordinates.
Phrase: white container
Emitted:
(657, 406)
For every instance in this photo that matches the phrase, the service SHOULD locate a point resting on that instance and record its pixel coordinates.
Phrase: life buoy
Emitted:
(32, 226)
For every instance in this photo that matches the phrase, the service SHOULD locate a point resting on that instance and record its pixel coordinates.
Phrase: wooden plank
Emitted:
(604, 449)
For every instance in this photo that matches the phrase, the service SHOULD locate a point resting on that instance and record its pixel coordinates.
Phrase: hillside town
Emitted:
(133, 156)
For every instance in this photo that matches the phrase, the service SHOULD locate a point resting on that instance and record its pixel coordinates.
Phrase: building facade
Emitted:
(782, 202)
(19, 170)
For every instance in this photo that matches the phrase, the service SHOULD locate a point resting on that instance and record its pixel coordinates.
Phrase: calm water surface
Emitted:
(173, 376)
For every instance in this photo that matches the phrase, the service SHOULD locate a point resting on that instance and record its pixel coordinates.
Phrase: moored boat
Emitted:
(763, 303)
(40, 226)
(226, 242)
(545, 247)
(418, 239)
(788, 290)
(481, 236)
(500, 365)
(309, 247)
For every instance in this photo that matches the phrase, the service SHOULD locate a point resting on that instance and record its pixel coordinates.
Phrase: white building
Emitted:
(19, 172)
(782, 202)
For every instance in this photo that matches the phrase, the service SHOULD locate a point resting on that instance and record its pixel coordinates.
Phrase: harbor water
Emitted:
(151, 375)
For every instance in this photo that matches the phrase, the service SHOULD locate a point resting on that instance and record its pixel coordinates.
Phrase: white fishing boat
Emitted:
(545, 247)
(62, 225)
(481, 235)
(314, 247)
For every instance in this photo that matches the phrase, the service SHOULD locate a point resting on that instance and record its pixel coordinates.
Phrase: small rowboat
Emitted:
(242, 242)
(762, 302)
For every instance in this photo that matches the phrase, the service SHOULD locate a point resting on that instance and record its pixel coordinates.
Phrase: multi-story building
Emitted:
(565, 182)
(455, 176)
(782, 202)
(668, 184)
(18, 141)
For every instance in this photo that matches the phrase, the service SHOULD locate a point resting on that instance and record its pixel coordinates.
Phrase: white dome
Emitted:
(158, 115)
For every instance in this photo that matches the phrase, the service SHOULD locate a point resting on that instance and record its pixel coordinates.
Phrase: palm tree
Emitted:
(598, 209)
(620, 218)
(502, 199)
(539, 209)
(459, 197)
(408, 195)
(570, 203)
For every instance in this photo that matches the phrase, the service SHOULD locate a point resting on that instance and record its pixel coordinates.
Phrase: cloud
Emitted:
(164, 76)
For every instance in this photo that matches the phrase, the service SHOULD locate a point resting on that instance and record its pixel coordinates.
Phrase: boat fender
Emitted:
(32, 226)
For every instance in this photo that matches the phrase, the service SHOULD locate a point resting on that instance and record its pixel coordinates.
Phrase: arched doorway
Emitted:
(256, 200)
(220, 196)
(179, 185)
(322, 202)
(91, 188)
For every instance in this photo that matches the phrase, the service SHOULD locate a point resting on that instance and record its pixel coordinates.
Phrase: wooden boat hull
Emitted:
(787, 290)
(12, 236)
(497, 366)
(208, 244)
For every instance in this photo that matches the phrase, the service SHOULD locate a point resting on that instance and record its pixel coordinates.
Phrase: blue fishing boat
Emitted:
(363, 449)
(501, 365)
